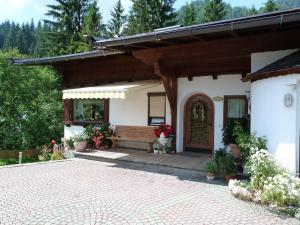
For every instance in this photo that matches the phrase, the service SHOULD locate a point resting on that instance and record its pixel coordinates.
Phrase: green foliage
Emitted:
(270, 6)
(31, 106)
(27, 38)
(210, 167)
(232, 129)
(214, 11)
(57, 155)
(45, 153)
(224, 162)
(11, 161)
(117, 22)
(249, 143)
(104, 130)
(189, 15)
(70, 143)
(68, 25)
(269, 184)
(147, 15)
(93, 25)
(80, 137)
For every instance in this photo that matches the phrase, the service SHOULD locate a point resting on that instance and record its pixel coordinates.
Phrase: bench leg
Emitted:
(150, 147)
(114, 144)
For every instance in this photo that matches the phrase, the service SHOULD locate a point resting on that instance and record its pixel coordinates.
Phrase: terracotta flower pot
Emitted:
(235, 151)
(210, 176)
(80, 146)
(227, 178)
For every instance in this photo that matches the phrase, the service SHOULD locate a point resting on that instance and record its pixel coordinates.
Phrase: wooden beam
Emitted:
(170, 85)
(242, 45)
(68, 111)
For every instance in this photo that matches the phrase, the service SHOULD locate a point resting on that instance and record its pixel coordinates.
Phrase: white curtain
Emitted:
(236, 108)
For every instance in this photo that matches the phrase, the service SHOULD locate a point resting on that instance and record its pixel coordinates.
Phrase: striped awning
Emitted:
(103, 92)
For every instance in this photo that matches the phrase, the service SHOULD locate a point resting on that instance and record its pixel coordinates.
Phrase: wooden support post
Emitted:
(68, 109)
(170, 85)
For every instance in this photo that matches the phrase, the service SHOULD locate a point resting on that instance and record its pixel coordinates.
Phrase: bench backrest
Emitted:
(135, 132)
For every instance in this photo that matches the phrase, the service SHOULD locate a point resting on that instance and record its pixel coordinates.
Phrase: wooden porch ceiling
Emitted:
(231, 55)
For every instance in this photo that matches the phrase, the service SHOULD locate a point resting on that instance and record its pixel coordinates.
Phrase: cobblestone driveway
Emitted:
(89, 192)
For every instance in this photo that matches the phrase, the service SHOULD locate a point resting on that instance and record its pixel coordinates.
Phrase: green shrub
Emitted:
(57, 155)
(210, 167)
(224, 162)
(249, 143)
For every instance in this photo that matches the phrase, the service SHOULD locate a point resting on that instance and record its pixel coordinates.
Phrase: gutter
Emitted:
(275, 18)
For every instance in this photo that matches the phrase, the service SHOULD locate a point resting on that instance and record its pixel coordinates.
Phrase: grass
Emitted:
(11, 161)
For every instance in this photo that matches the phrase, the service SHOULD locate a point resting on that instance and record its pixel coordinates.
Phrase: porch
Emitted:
(189, 161)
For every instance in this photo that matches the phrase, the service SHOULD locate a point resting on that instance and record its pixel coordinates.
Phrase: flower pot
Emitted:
(210, 176)
(227, 178)
(80, 146)
(235, 151)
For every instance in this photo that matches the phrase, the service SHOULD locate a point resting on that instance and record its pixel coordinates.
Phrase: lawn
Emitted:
(11, 161)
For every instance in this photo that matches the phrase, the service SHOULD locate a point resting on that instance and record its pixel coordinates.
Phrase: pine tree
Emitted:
(118, 20)
(270, 6)
(147, 15)
(252, 10)
(67, 26)
(189, 15)
(214, 11)
(93, 25)
(10, 40)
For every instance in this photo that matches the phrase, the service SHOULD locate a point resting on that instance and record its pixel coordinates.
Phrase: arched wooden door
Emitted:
(199, 123)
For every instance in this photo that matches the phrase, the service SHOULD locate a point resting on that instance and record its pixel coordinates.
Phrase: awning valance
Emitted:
(103, 92)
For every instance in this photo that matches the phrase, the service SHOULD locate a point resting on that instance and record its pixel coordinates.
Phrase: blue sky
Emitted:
(24, 10)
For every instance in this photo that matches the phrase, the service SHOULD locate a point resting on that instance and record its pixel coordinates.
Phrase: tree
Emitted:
(189, 15)
(147, 15)
(270, 6)
(118, 20)
(253, 10)
(93, 25)
(31, 105)
(67, 26)
(214, 11)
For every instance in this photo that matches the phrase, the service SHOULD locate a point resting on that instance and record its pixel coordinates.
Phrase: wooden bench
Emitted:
(141, 134)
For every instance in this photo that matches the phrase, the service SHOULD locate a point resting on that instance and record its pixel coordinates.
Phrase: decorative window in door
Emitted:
(199, 122)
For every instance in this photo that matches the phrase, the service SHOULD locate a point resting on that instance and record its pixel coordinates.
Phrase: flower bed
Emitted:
(270, 184)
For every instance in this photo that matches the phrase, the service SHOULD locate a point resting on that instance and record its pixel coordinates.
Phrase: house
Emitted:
(195, 78)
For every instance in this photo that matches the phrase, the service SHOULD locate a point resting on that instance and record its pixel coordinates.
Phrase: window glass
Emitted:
(89, 110)
(157, 108)
(236, 108)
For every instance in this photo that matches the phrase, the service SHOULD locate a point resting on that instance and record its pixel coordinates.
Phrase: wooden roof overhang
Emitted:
(217, 48)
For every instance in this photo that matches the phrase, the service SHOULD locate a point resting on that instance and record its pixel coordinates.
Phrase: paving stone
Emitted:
(92, 192)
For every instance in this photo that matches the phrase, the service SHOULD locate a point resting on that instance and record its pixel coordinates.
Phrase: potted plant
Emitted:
(229, 168)
(210, 169)
(164, 133)
(230, 132)
(80, 142)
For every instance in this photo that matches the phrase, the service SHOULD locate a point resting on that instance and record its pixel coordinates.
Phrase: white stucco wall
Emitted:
(131, 111)
(224, 85)
(72, 130)
(269, 116)
(134, 109)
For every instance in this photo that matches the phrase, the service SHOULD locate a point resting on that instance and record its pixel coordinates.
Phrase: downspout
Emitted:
(298, 128)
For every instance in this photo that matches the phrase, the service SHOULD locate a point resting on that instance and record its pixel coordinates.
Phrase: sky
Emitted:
(24, 10)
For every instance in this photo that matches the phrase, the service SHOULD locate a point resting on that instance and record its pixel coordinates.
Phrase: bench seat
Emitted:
(133, 134)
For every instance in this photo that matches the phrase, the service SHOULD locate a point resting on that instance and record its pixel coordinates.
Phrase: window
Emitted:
(235, 107)
(156, 108)
(88, 110)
